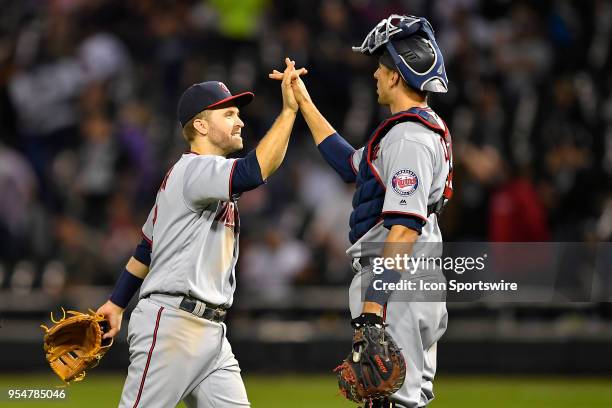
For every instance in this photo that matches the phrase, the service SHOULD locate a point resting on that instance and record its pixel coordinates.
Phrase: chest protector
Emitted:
(370, 190)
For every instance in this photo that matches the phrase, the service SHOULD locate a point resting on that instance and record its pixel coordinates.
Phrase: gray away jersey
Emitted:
(193, 228)
(413, 164)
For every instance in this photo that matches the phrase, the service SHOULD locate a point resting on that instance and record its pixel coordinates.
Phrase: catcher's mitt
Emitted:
(376, 367)
(74, 344)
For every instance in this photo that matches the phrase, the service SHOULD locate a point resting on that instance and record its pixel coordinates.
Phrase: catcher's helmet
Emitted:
(410, 47)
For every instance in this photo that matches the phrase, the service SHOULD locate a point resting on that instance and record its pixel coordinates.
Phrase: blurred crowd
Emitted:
(88, 127)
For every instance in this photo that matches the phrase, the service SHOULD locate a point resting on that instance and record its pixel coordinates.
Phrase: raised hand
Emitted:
(289, 77)
(318, 125)
(299, 90)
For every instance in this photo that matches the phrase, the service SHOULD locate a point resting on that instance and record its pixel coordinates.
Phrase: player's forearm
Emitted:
(273, 147)
(318, 125)
(137, 268)
(399, 242)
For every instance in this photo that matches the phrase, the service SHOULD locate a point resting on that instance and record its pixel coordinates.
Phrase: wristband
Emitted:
(126, 286)
(377, 291)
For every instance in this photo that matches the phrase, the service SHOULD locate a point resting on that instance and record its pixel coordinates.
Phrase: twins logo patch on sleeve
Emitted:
(405, 182)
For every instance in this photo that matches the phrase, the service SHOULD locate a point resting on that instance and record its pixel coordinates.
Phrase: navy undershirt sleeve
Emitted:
(409, 221)
(337, 152)
(247, 174)
(143, 252)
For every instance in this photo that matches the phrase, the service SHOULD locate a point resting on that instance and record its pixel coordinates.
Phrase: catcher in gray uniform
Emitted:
(184, 265)
(403, 180)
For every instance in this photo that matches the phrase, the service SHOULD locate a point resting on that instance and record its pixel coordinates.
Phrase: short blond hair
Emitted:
(190, 132)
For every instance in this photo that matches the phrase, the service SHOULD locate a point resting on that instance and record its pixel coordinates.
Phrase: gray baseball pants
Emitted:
(416, 327)
(176, 356)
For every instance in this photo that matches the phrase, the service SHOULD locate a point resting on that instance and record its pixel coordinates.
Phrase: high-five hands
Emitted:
(291, 78)
(287, 77)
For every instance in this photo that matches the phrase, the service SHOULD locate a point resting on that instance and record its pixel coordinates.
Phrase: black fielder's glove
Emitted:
(376, 367)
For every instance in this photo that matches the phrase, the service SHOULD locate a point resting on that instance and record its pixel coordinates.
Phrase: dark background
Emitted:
(88, 93)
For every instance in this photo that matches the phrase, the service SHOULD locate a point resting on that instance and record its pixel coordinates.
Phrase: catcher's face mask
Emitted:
(391, 33)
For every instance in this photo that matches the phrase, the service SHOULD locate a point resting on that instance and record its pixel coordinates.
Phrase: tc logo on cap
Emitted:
(223, 87)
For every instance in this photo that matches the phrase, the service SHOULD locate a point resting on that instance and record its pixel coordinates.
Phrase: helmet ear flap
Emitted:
(419, 62)
(417, 53)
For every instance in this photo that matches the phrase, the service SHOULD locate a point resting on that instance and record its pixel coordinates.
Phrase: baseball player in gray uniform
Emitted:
(184, 265)
(403, 179)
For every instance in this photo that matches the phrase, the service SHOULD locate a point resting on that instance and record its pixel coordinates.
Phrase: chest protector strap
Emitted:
(423, 117)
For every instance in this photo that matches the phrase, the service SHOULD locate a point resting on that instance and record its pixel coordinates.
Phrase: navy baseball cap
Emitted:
(207, 95)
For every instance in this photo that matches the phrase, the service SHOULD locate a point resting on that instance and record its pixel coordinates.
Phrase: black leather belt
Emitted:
(203, 310)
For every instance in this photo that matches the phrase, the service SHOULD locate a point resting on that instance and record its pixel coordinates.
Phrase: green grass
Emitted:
(101, 390)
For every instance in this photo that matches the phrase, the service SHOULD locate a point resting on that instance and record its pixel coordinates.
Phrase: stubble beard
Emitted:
(227, 143)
